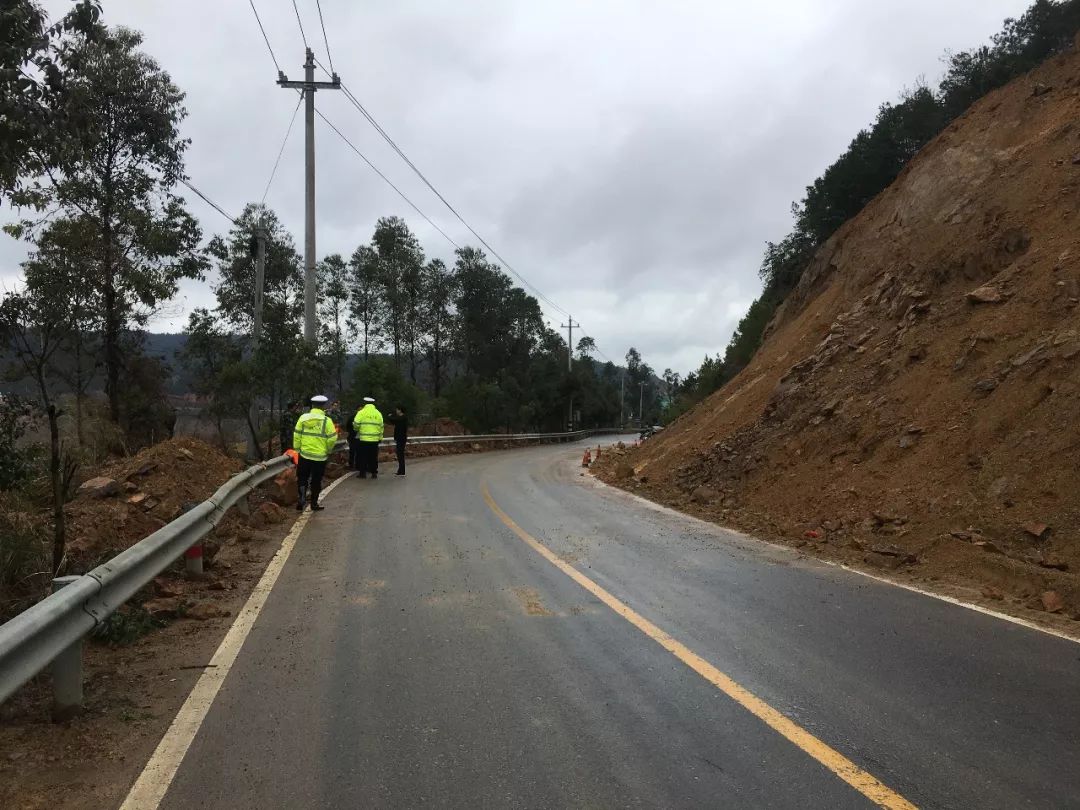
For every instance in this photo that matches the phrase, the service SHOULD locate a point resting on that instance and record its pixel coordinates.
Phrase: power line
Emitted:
(265, 38)
(385, 179)
(318, 5)
(454, 211)
(378, 128)
(208, 201)
(371, 119)
(608, 359)
(298, 22)
(281, 151)
(393, 144)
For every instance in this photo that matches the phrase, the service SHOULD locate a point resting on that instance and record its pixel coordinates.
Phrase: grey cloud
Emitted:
(630, 158)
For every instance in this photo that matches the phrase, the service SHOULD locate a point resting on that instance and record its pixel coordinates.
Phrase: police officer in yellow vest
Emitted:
(368, 424)
(314, 438)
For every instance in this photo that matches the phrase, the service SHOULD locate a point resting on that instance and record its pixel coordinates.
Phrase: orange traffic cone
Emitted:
(586, 459)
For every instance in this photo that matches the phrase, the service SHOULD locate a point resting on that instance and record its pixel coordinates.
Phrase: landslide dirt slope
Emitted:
(919, 393)
(154, 487)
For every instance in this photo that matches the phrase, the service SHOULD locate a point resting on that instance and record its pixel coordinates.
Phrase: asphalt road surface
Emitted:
(419, 651)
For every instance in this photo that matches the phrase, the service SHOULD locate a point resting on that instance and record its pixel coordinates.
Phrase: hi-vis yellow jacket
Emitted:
(314, 436)
(368, 424)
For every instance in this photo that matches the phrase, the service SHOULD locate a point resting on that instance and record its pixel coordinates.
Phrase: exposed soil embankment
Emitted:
(916, 403)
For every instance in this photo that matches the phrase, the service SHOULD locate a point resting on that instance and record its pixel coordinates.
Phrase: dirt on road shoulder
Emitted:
(132, 691)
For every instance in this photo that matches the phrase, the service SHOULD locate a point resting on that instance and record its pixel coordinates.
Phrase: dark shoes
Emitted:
(317, 507)
(400, 473)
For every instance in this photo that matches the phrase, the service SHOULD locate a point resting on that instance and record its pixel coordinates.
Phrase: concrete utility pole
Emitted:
(640, 405)
(309, 86)
(569, 326)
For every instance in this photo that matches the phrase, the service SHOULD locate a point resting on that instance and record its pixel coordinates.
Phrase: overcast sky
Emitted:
(630, 159)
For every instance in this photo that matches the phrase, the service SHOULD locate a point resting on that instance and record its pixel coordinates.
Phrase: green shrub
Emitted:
(126, 626)
(16, 456)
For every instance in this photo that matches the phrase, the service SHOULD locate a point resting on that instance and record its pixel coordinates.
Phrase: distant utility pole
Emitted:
(570, 342)
(309, 86)
(622, 399)
(258, 248)
(640, 405)
(569, 326)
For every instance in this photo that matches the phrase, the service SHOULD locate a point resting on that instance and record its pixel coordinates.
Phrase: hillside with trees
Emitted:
(873, 160)
(913, 404)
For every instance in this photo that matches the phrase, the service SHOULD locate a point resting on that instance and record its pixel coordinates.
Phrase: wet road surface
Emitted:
(416, 651)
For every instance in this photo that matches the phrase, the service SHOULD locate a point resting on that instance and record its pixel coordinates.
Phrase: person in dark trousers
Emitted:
(401, 436)
(355, 450)
(314, 438)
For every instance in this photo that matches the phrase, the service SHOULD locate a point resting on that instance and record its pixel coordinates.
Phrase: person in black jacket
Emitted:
(354, 444)
(401, 435)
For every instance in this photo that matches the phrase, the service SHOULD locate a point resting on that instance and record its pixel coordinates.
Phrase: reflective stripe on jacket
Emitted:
(314, 436)
(368, 424)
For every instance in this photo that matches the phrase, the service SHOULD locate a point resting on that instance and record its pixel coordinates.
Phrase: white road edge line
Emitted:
(717, 528)
(154, 781)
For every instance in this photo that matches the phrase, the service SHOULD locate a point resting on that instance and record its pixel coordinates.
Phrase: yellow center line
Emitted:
(832, 759)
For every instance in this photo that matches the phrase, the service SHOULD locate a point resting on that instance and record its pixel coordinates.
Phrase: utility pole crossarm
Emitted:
(283, 80)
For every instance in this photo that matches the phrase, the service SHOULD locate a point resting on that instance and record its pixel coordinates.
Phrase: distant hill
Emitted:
(168, 346)
(164, 345)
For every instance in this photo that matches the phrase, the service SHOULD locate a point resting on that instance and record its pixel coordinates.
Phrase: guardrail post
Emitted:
(193, 560)
(193, 557)
(67, 672)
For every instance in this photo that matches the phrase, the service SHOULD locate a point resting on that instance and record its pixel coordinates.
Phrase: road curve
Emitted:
(417, 652)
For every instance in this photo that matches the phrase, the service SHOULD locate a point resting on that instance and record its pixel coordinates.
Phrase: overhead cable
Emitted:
(378, 128)
(266, 39)
(281, 151)
(385, 179)
(326, 41)
(300, 23)
(208, 201)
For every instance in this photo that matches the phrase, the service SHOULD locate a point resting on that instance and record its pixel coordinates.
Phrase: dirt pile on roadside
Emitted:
(133, 497)
(916, 401)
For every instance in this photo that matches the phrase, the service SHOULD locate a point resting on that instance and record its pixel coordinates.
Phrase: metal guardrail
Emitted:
(507, 437)
(52, 631)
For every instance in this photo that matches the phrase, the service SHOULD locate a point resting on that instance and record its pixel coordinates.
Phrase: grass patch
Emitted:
(126, 626)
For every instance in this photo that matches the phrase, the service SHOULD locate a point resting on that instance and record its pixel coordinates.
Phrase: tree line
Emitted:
(458, 341)
(872, 161)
